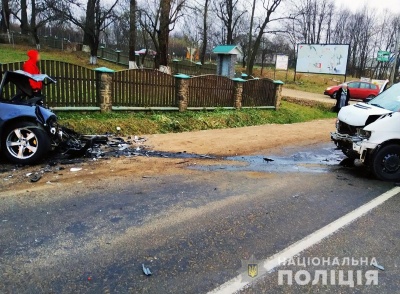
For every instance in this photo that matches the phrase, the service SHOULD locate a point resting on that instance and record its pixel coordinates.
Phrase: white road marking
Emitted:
(267, 265)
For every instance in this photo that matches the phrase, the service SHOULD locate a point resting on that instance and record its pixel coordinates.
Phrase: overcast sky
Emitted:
(392, 5)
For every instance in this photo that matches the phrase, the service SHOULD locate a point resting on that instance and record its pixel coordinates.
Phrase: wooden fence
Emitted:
(143, 88)
(76, 85)
(80, 88)
(210, 91)
(258, 92)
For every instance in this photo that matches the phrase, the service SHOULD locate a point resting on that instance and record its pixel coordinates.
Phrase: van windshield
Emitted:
(389, 99)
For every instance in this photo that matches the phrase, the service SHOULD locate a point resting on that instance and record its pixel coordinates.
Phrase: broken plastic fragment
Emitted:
(146, 270)
(378, 266)
(36, 177)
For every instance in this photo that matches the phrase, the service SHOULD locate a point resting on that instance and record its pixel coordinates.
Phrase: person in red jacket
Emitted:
(30, 66)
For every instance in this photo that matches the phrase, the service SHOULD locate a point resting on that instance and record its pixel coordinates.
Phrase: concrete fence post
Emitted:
(238, 92)
(176, 66)
(278, 93)
(118, 56)
(182, 91)
(104, 78)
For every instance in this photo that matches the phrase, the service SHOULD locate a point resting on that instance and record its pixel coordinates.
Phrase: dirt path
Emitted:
(309, 96)
(245, 140)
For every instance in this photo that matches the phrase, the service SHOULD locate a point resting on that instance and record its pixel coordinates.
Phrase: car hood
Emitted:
(357, 115)
(11, 111)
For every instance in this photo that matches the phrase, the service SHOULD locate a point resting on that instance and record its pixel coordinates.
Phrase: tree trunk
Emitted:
(33, 24)
(90, 25)
(257, 43)
(252, 57)
(163, 33)
(251, 29)
(5, 16)
(205, 31)
(132, 31)
(94, 46)
(24, 18)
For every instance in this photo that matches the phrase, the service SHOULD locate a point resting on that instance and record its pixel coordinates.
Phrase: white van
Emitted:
(370, 132)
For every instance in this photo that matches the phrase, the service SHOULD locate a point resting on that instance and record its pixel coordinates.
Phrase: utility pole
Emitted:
(396, 56)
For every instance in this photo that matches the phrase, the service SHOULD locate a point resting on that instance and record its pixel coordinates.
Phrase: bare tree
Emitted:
(253, 8)
(39, 17)
(24, 17)
(5, 16)
(204, 44)
(132, 32)
(229, 13)
(270, 7)
(97, 19)
(159, 19)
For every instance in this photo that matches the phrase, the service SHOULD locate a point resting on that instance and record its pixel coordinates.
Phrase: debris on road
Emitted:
(35, 178)
(75, 169)
(378, 266)
(268, 159)
(146, 270)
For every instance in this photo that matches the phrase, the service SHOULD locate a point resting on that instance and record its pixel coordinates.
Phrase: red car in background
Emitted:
(358, 90)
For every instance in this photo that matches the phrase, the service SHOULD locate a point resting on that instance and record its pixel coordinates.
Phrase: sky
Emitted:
(392, 5)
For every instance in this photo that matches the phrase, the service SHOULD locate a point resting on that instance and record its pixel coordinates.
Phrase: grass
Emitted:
(8, 54)
(138, 123)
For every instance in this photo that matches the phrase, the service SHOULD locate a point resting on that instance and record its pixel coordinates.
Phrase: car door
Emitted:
(354, 88)
(374, 89)
(364, 91)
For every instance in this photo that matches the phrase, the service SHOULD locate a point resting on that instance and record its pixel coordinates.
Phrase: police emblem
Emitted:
(249, 269)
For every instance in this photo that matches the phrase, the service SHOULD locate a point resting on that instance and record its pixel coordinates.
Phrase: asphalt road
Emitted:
(193, 228)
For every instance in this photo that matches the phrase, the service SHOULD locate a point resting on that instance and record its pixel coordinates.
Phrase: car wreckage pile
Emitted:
(29, 130)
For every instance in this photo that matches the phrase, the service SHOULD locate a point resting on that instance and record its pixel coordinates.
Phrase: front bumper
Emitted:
(359, 145)
(335, 136)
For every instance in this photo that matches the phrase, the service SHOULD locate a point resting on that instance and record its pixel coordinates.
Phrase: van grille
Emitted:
(344, 128)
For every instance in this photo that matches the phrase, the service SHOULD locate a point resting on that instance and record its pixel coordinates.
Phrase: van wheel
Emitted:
(386, 163)
(25, 143)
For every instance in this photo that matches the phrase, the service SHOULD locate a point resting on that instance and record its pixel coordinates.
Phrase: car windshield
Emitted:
(389, 99)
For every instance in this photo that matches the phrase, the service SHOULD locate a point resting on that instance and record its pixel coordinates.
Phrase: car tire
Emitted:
(333, 96)
(25, 143)
(385, 163)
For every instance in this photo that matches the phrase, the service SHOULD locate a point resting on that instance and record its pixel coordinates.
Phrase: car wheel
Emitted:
(25, 143)
(386, 163)
(333, 96)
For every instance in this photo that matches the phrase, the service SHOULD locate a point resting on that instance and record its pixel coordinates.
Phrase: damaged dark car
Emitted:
(28, 130)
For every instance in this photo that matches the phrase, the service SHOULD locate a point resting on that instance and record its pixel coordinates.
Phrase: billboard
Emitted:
(322, 59)
(282, 62)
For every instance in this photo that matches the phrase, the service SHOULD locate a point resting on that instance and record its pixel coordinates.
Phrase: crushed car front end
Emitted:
(350, 127)
(370, 133)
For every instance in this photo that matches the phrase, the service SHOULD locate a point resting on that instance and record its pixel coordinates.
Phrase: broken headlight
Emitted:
(363, 134)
